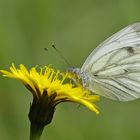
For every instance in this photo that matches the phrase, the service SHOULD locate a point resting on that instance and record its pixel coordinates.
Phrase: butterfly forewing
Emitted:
(113, 67)
(129, 36)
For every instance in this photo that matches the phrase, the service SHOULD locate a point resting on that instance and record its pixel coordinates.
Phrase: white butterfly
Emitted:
(112, 70)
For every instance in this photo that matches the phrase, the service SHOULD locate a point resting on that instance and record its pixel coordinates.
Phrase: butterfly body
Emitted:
(82, 76)
(112, 70)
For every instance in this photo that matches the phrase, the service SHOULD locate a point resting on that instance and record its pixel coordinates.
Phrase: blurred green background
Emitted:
(76, 27)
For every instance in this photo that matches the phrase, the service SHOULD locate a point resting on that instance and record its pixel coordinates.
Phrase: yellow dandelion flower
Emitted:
(49, 88)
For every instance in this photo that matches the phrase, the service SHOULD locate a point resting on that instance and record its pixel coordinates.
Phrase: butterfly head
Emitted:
(78, 76)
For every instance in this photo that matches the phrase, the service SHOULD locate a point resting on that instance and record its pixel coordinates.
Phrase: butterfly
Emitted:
(112, 69)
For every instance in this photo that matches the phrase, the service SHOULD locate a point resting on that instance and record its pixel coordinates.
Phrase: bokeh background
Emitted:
(76, 27)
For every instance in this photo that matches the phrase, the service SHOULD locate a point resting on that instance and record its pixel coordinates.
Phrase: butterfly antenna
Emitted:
(60, 54)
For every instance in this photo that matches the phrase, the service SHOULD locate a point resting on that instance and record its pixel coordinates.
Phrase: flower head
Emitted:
(54, 84)
(49, 88)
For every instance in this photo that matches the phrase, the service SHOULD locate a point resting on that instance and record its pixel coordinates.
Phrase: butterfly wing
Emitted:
(113, 67)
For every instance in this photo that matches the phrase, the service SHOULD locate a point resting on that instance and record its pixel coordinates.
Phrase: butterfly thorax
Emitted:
(79, 76)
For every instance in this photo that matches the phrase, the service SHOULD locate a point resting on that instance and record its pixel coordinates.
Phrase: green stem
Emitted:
(35, 131)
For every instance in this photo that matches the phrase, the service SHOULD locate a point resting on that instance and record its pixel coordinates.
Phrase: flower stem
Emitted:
(35, 131)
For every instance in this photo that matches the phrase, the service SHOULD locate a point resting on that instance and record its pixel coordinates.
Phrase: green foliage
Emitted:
(76, 27)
